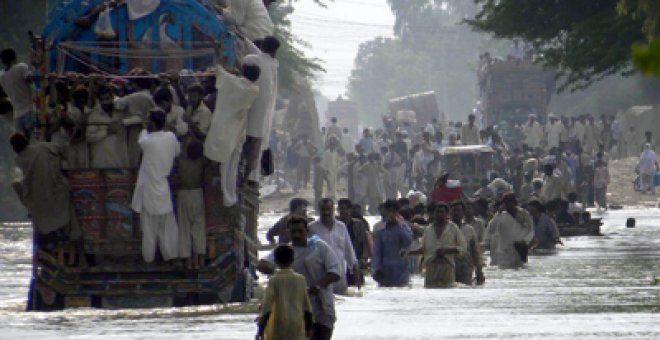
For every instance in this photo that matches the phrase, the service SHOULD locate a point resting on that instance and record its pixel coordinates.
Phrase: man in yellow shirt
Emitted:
(286, 312)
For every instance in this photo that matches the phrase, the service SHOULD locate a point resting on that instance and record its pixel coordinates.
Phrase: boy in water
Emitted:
(286, 311)
(190, 204)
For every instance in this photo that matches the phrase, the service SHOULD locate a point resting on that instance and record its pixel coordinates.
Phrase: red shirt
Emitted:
(443, 194)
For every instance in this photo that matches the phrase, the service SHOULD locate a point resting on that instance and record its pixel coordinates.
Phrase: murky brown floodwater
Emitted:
(594, 287)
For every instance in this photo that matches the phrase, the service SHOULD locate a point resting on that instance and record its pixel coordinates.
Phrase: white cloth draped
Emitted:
(228, 125)
(141, 8)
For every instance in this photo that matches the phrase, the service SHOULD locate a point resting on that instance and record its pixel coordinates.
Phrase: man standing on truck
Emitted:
(152, 198)
(470, 132)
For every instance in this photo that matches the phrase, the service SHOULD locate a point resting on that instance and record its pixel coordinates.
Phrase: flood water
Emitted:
(593, 288)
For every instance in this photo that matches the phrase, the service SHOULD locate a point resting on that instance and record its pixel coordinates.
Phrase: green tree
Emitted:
(432, 44)
(293, 62)
(383, 70)
(645, 57)
(584, 40)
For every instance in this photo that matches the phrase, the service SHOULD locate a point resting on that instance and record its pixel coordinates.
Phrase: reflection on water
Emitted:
(594, 287)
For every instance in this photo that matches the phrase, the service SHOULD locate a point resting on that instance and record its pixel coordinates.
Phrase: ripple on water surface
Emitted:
(593, 288)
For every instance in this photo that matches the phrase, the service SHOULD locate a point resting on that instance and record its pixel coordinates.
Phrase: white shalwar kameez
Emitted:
(260, 115)
(533, 134)
(251, 16)
(225, 139)
(152, 198)
(339, 240)
(507, 230)
(554, 134)
(330, 162)
(647, 168)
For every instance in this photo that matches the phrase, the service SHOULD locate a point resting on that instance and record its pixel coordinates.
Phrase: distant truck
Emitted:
(417, 109)
(346, 113)
(511, 90)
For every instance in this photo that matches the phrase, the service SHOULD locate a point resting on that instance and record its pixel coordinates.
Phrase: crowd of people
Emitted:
(173, 128)
(428, 224)
(563, 156)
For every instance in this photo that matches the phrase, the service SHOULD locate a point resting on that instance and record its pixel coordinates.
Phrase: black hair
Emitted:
(157, 116)
(163, 94)
(325, 200)
(481, 202)
(103, 89)
(571, 196)
(18, 142)
(195, 150)
(296, 203)
(403, 201)
(270, 45)
(391, 205)
(419, 209)
(435, 205)
(345, 202)
(196, 87)
(457, 203)
(143, 83)
(251, 72)
(295, 219)
(62, 91)
(284, 255)
(8, 55)
(407, 214)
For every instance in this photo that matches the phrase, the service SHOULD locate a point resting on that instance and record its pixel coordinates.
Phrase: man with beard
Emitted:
(472, 261)
(316, 261)
(442, 243)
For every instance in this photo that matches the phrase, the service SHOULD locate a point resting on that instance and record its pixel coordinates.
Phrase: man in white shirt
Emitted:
(333, 130)
(198, 116)
(260, 115)
(152, 198)
(533, 132)
(347, 142)
(335, 234)
(226, 136)
(330, 162)
(15, 82)
(251, 16)
(470, 132)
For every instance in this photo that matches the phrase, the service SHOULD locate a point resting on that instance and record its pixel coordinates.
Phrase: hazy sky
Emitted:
(336, 32)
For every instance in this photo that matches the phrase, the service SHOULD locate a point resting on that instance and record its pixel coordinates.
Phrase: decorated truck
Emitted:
(511, 90)
(108, 38)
